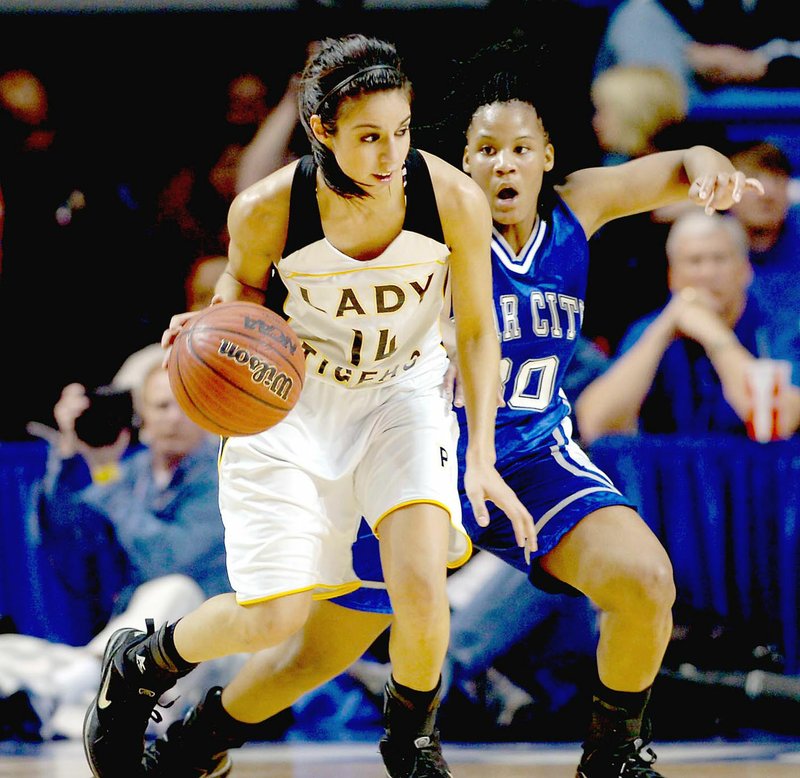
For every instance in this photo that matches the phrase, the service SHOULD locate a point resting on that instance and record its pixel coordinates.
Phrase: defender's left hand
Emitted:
(719, 192)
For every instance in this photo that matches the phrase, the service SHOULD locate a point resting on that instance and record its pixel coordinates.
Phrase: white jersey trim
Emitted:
(519, 263)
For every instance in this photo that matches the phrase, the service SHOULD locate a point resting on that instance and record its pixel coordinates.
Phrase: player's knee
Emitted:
(270, 623)
(650, 585)
(659, 584)
(640, 583)
(418, 595)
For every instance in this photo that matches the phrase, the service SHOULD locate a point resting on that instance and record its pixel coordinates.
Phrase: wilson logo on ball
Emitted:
(261, 372)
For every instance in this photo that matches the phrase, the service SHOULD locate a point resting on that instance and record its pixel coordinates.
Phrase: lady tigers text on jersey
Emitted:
(380, 299)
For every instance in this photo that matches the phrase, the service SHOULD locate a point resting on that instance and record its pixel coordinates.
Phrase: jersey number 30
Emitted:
(534, 382)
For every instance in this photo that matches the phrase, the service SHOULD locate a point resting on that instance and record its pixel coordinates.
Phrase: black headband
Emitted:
(345, 81)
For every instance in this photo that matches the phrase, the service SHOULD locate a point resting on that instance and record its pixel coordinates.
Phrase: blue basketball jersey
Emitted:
(538, 296)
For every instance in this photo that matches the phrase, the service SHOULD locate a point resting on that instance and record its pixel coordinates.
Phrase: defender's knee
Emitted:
(653, 585)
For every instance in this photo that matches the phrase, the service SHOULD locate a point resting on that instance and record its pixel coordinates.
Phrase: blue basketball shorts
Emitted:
(558, 484)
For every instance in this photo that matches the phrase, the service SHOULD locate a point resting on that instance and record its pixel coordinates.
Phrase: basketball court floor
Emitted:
(757, 759)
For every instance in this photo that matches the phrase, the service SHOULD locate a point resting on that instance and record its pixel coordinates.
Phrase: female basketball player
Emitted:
(589, 536)
(365, 236)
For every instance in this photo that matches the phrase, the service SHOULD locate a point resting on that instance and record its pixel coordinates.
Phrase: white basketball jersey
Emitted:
(369, 322)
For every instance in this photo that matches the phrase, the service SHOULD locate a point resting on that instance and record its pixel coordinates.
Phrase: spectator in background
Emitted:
(772, 224)
(247, 105)
(706, 43)
(66, 204)
(193, 205)
(129, 525)
(682, 369)
(634, 107)
(197, 196)
(26, 105)
(280, 138)
(173, 478)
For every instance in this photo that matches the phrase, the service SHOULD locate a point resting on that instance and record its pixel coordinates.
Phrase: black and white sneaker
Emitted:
(193, 747)
(166, 757)
(419, 758)
(115, 723)
(631, 759)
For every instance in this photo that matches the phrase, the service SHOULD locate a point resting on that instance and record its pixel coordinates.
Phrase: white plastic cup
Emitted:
(766, 381)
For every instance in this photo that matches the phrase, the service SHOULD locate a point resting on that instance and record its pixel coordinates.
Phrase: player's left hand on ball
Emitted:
(176, 323)
(484, 483)
(719, 192)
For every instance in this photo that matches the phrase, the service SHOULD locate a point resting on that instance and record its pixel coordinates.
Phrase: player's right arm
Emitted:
(258, 220)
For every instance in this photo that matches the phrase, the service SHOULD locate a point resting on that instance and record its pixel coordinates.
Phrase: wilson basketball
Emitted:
(237, 368)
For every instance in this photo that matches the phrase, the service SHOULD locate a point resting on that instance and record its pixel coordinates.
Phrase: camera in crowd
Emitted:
(110, 411)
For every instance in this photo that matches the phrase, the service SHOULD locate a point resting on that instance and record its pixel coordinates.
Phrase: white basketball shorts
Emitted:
(292, 497)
